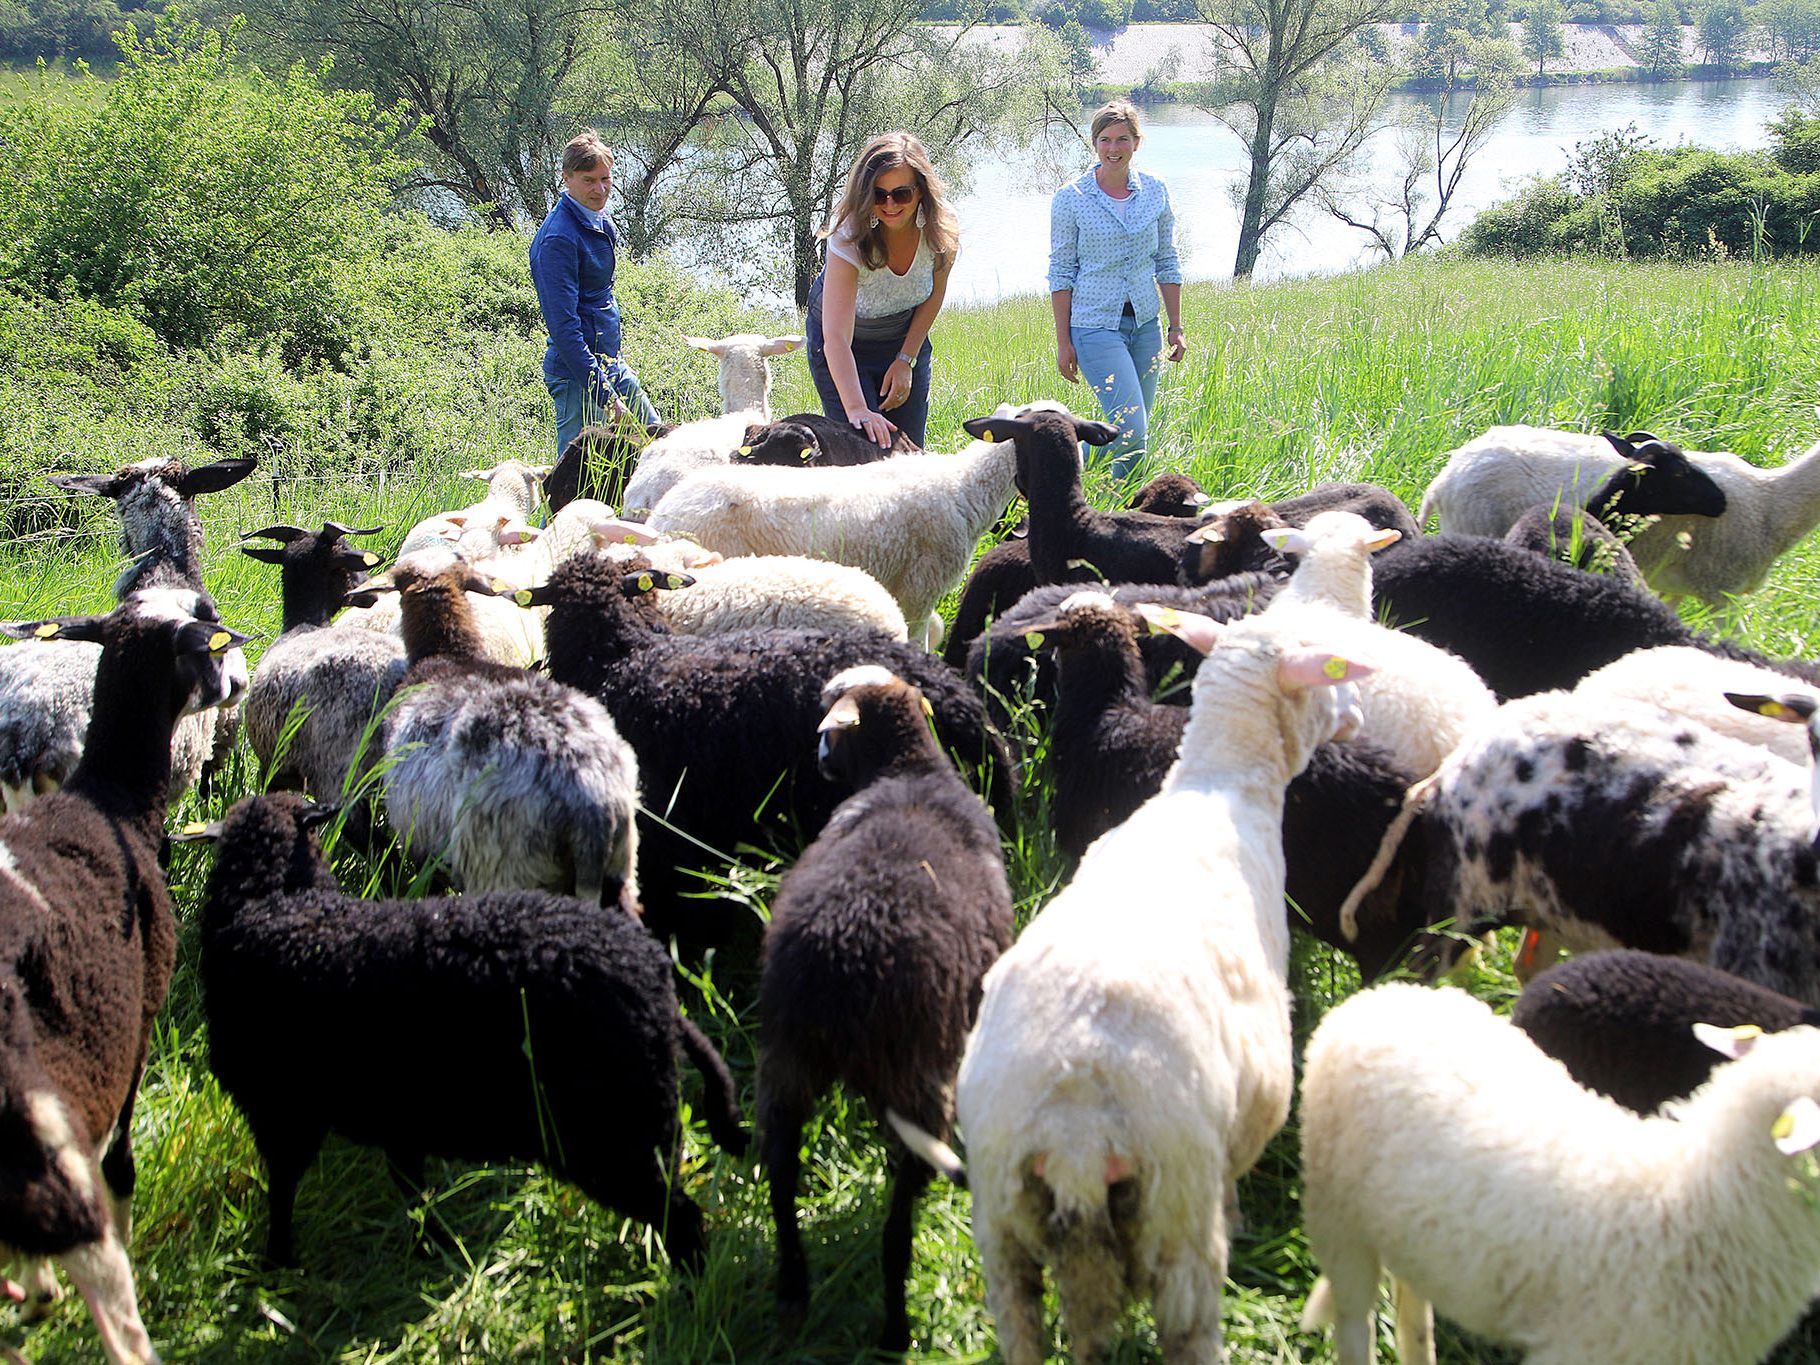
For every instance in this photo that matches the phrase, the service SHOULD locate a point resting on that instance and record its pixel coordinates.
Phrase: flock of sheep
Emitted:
(1391, 740)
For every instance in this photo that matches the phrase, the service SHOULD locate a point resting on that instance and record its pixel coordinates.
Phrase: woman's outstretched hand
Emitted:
(878, 428)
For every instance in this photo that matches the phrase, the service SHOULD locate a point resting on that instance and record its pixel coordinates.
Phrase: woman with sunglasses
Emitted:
(890, 246)
(1111, 253)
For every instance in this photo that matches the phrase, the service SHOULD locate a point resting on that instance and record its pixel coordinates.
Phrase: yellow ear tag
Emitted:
(1743, 1031)
(220, 640)
(928, 708)
(745, 450)
(986, 436)
(807, 453)
(47, 630)
(629, 539)
(1783, 1126)
(672, 581)
(369, 559)
(196, 827)
(1775, 710)
(1034, 639)
(522, 597)
(646, 582)
(499, 586)
(1335, 668)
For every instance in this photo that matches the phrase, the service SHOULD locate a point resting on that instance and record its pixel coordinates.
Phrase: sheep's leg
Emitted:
(1348, 1294)
(42, 1291)
(1415, 1325)
(781, 1124)
(407, 1172)
(1190, 1275)
(287, 1157)
(118, 1169)
(911, 1178)
(101, 1272)
(1014, 1293)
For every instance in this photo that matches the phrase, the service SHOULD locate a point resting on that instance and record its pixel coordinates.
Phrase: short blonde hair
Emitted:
(1116, 111)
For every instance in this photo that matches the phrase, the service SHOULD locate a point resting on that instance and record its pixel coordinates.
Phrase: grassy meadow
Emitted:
(1370, 376)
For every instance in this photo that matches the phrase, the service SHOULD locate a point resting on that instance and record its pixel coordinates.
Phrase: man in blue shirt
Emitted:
(573, 257)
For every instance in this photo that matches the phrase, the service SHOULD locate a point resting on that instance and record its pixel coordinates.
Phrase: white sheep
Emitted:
(779, 592)
(745, 399)
(1440, 1144)
(1133, 1054)
(1692, 683)
(1493, 479)
(1420, 700)
(912, 521)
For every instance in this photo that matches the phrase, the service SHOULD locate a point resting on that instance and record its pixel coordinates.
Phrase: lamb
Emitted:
(1439, 1144)
(879, 937)
(532, 1027)
(597, 463)
(745, 398)
(1110, 746)
(1133, 1051)
(1492, 480)
(807, 440)
(1604, 823)
(1621, 1022)
(1230, 538)
(718, 723)
(1528, 624)
(911, 521)
(91, 943)
(511, 779)
(342, 676)
(47, 686)
(1003, 574)
(1420, 700)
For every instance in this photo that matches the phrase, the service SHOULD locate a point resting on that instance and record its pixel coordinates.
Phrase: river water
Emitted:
(1005, 212)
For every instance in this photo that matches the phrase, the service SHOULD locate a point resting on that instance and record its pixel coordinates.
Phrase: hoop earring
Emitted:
(920, 218)
(872, 222)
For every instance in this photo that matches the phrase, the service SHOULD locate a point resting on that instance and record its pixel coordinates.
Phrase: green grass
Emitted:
(1369, 376)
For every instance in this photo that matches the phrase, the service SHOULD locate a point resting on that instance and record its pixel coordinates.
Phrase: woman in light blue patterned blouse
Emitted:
(1111, 253)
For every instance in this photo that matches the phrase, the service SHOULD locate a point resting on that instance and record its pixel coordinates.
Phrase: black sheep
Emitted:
(1622, 1022)
(87, 944)
(1006, 666)
(1528, 624)
(1003, 574)
(719, 724)
(1110, 747)
(878, 941)
(597, 462)
(508, 1026)
(806, 440)
(1230, 542)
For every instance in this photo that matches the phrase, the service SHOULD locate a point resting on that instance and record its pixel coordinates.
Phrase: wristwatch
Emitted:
(909, 360)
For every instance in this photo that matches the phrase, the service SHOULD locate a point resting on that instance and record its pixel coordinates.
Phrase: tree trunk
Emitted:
(807, 267)
(1251, 219)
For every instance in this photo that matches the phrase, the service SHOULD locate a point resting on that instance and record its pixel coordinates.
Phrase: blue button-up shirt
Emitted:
(573, 257)
(1109, 260)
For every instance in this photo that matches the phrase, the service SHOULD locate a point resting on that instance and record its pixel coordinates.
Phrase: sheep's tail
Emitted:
(1413, 802)
(1320, 1311)
(721, 1098)
(929, 1147)
(1428, 502)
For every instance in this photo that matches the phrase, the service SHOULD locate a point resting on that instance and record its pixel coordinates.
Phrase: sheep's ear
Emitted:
(209, 637)
(1387, 537)
(215, 476)
(196, 831)
(1729, 1042)
(1095, 433)
(284, 535)
(781, 345)
(98, 485)
(1200, 499)
(1288, 540)
(512, 532)
(642, 581)
(1797, 1128)
(1211, 533)
(473, 580)
(1313, 667)
(706, 344)
(613, 530)
(1201, 632)
(56, 628)
(753, 432)
(539, 596)
(540, 472)
(843, 715)
(480, 474)
(265, 554)
(996, 428)
(1797, 708)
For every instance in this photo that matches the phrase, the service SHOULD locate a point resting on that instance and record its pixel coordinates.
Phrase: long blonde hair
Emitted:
(887, 152)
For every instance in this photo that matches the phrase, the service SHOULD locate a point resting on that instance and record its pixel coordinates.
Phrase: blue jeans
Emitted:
(575, 408)
(872, 356)
(1120, 364)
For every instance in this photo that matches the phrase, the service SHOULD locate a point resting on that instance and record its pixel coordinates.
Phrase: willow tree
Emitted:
(1296, 85)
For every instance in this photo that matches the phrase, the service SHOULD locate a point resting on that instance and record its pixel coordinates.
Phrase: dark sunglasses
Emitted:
(903, 194)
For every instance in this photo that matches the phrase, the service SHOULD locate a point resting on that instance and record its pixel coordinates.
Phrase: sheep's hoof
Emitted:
(40, 1301)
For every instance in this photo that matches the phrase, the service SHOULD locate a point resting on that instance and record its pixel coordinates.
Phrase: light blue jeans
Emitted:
(1120, 364)
(575, 407)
